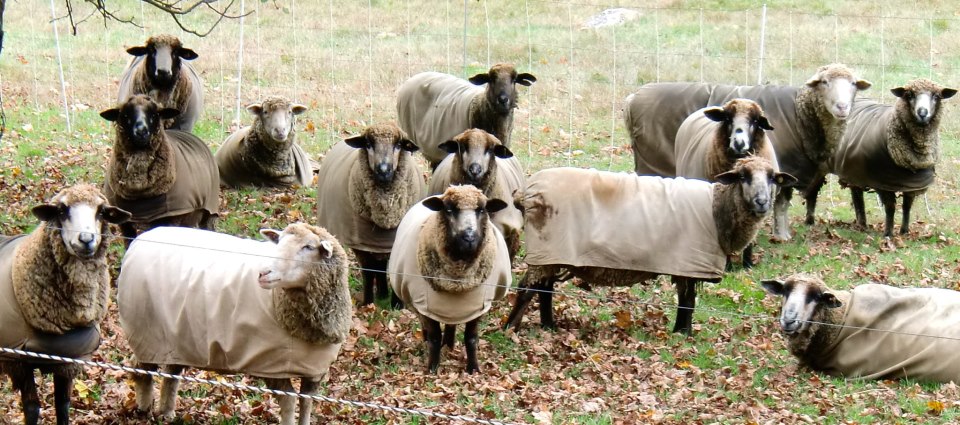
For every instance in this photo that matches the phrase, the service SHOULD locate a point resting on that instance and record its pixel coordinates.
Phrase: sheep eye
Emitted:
(310, 247)
(480, 210)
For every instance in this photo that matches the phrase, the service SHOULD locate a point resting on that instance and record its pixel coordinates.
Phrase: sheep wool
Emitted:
(509, 178)
(238, 162)
(438, 108)
(694, 141)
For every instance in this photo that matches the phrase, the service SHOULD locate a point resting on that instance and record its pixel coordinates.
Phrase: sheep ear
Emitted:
(729, 177)
(715, 113)
(408, 145)
(434, 203)
(829, 300)
(271, 235)
(357, 142)
(45, 212)
(110, 114)
(947, 93)
(115, 215)
(449, 146)
(495, 205)
(138, 50)
(480, 79)
(526, 79)
(773, 286)
(863, 84)
(764, 123)
(327, 249)
(168, 113)
(501, 151)
(898, 92)
(255, 108)
(187, 54)
(784, 179)
(298, 109)
(813, 82)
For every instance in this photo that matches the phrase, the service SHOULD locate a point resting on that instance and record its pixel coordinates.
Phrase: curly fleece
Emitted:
(179, 97)
(912, 146)
(383, 204)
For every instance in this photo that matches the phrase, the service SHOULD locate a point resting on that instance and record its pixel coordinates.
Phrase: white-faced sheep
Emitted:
(893, 148)
(872, 331)
(433, 107)
(477, 158)
(617, 229)
(179, 308)
(448, 265)
(54, 286)
(163, 177)
(810, 122)
(159, 71)
(365, 186)
(266, 153)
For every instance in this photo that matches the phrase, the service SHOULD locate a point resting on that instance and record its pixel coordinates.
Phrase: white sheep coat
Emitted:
(862, 159)
(433, 108)
(510, 177)
(419, 296)
(860, 353)
(590, 218)
(188, 115)
(695, 138)
(190, 297)
(233, 167)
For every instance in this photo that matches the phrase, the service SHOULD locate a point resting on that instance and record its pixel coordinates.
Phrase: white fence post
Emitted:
(63, 83)
(763, 33)
(240, 63)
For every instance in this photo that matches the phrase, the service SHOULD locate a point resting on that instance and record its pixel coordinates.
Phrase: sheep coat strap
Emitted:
(884, 355)
(417, 293)
(694, 140)
(510, 177)
(190, 297)
(590, 218)
(190, 110)
(235, 171)
(197, 185)
(862, 159)
(434, 107)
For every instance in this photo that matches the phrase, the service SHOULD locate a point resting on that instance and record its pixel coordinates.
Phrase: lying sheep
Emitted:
(477, 158)
(448, 265)
(159, 71)
(433, 107)
(163, 177)
(616, 229)
(810, 123)
(892, 148)
(365, 186)
(54, 285)
(266, 153)
(178, 307)
(873, 331)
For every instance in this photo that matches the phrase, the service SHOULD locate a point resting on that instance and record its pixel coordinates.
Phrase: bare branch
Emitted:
(170, 7)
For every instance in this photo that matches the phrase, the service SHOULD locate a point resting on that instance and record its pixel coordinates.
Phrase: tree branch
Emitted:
(170, 7)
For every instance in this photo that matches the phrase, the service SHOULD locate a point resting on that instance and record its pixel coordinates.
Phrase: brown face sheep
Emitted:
(448, 265)
(679, 227)
(54, 286)
(434, 107)
(158, 70)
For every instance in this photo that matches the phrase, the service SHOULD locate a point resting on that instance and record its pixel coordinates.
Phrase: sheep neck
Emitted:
(319, 312)
(177, 97)
(736, 225)
(384, 204)
(485, 117)
(441, 270)
(819, 339)
(819, 142)
(912, 146)
(144, 173)
(266, 156)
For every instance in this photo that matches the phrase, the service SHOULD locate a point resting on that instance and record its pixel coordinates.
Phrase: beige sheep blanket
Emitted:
(235, 171)
(433, 107)
(419, 296)
(197, 185)
(876, 354)
(695, 139)
(862, 159)
(510, 178)
(590, 218)
(191, 297)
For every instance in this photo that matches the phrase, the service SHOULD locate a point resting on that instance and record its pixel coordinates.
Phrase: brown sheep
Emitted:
(159, 71)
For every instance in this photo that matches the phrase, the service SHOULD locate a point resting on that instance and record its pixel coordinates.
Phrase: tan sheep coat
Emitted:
(510, 177)
(197, 305)
(884, 355)
(590, 218)
(420, 296)
(695, 138)
(187, 98)
(434, 107)
(236, 170)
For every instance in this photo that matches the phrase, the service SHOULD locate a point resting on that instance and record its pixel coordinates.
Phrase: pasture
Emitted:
(613, 359)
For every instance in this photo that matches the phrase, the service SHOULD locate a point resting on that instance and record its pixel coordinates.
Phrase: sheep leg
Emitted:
(524, 297)
(781, 224)
(889, 201)
(748, 256)
(470, 343)
(431, 334)
(810, 196)
(288, 403)
(61, 397)
(907, 206)
(168, 391)
(22, 378)
(687, 297)
(308, 386)
(143, 385)
(449, 335)
(546, 306)
(856, 194)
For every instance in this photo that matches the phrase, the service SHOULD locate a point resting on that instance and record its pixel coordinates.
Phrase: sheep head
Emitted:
(164, 53)
(275, 117)
(743, 122)
(81, 214)
(501, 81)
(299, 245)
(922, 97)
(475, 153)
(803, 295)
(138, 120)
(837, 86)
(383, 145)
(756, 179)
(465, 214)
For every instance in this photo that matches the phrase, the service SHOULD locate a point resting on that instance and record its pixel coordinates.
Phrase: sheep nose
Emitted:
(163, 73)
(384, 172)
(279, 135)
(85, 237)
(739, 145)
(264, 273)
(475, 170)
(469, 235)
(762, 203)
(503, 99)
(922, 113)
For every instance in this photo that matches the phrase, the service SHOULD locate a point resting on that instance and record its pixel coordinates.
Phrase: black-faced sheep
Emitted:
(448, 265)
(617, 229)
(159, 71)
(873, 331)
(163, 177)
(54, 286)
(266, 153)
(365, 186)
(893, 148)
(179, 308)
(810, 122)
(477, 158)
(434, 107)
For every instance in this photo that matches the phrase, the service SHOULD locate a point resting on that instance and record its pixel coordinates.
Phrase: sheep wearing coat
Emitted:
(448, 265)
(163, 177)
(266, 153)
(365, 186)
(477, 158)
(54, 286)
(617, 229)
(178, 308)
(893, 148)
(434, 107)
(159, 71)
(810, 122)
(873, 331)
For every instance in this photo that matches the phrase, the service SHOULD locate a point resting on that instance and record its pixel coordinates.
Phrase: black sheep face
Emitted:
(465, 216)
(477, 151)
(384, 145)
(501, 82)
(163, 60)
(138, 120)
(923, 98)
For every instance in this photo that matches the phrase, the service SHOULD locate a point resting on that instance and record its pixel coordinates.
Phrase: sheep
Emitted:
(433, 107)
(873, 331)
(892, 148)
(54, 286)
(365, 186)
(810, 121)
(163, 177)
(575, 222)
(178, 308)
(266, 153)
(158, 70)
(448, 265)
(477, 158)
